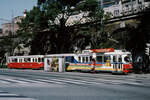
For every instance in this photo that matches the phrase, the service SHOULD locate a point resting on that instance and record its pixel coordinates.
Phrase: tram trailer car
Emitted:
(26, 62)
(115, 61)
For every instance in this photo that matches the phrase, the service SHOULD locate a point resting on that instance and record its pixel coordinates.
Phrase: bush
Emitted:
(3, 66)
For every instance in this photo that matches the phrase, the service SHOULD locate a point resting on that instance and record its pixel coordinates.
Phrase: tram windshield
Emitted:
(128, 58)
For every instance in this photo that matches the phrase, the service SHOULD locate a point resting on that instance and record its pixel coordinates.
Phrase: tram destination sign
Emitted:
(102, 50)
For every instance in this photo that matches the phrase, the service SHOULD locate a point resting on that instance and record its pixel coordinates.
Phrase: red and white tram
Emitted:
(31, 62)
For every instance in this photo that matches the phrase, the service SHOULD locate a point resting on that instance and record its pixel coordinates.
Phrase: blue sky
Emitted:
(15, 7)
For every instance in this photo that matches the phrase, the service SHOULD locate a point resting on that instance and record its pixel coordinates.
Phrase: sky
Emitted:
(15, 8)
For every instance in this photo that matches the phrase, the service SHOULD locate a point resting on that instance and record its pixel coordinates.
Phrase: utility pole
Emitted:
(13, 27)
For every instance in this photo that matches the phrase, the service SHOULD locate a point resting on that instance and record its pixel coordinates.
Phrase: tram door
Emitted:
(117, 63)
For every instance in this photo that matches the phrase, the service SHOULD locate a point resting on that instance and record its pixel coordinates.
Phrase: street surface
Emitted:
(17, 84)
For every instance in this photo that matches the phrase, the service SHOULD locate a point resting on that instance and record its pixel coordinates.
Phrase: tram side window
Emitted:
(87, 59)
(83, 59)
(99, 58)
(79, 59)
(20, 60)
(36, 59)
(114, 59)
(120, 59)
(72, 59)
(27, 60)
(67, 59)
(90, 58)
(33, 60)
(40, 60)
(106, 58)
(9, 61)
(14, 60)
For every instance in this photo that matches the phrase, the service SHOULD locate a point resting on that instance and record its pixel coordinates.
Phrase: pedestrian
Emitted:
(93, 66)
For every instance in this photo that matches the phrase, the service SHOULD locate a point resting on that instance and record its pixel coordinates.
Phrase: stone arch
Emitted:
(121, 37)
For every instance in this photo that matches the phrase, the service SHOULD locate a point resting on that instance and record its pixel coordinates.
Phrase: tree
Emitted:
(40, 2)
(46, 26)
(6, 46)
(33, 24)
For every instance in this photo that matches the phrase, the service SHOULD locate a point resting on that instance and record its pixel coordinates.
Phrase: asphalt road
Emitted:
(18, 84)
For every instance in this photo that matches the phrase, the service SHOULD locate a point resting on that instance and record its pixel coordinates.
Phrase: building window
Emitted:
(116, 12)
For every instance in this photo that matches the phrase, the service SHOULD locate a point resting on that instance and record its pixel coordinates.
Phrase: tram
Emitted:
(107, 60)
(30, 62)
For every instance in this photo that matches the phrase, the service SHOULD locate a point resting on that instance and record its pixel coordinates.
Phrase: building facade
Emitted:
(10, 28)
(125, 7)
(115, 8)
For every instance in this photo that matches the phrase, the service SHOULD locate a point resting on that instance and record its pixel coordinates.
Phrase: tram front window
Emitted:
(127, 58)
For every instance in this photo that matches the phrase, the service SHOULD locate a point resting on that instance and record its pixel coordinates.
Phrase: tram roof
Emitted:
(29, 56)
(69, 54)
(118, 52)
(59, 55)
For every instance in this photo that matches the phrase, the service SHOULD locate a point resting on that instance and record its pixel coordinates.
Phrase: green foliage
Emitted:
(44, 29)
(88, 5)
(3, 66)
(40, 2)
(108, 15)
(92, 7)
(6, 46)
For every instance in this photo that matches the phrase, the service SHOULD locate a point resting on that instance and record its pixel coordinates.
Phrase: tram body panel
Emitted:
(31, 65)
(31, 62)
(115, 62)
(88, 67)
(78, 67)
